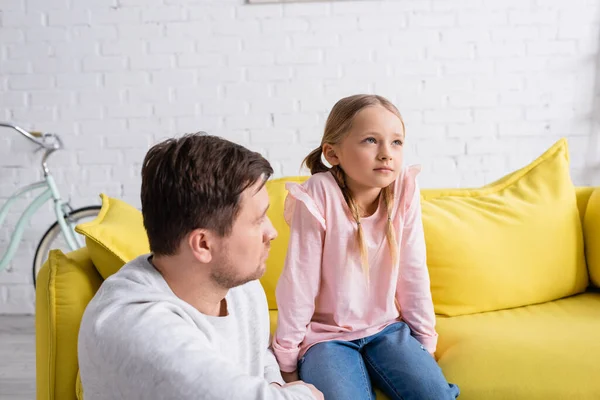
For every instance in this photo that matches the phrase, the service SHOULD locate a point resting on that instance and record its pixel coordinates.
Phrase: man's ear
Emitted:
(200, 242)
(330, 155)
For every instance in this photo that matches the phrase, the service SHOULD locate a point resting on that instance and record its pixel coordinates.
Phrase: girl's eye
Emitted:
(370, 140)
(397, 142)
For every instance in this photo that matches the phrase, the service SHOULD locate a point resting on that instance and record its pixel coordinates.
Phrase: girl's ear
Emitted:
(330, 154)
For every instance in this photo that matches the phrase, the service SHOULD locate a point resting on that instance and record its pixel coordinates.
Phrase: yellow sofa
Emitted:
(539, 340)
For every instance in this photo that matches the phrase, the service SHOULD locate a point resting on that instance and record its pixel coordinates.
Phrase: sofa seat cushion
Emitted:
(545, 351)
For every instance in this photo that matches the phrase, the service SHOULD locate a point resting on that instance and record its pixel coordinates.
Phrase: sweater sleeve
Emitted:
(160, 355)
(299, 282)
(272, 373)
(413, 289)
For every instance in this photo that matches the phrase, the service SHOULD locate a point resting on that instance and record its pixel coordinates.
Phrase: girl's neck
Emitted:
(366, 198)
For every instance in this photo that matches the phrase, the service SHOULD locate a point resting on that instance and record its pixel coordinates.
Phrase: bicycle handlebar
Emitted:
(37, 137)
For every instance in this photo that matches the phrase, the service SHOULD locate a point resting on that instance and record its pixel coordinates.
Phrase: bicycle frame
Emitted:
(61, 209)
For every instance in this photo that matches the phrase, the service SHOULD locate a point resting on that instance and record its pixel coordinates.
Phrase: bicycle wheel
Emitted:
(53, 238)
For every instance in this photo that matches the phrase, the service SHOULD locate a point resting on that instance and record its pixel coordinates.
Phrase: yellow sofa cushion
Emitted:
(543, 351)
(516, 242)
(115, 237)
(591, 227)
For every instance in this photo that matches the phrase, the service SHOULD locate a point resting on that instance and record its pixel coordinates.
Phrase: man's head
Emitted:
(205, 196)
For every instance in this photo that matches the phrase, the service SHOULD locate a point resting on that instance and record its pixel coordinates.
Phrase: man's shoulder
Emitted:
(137, 275)
(138, 267)
(124, 296)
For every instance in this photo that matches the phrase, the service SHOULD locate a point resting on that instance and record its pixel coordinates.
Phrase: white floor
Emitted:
(17, 358)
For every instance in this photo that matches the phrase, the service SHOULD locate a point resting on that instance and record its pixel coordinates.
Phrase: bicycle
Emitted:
(66, 217)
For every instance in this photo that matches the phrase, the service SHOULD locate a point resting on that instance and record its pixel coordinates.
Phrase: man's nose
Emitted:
(271, 233)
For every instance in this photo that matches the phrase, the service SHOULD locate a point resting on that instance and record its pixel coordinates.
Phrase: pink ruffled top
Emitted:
(323, 293)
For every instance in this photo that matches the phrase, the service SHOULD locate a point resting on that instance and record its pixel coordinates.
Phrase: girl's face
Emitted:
(371, 153)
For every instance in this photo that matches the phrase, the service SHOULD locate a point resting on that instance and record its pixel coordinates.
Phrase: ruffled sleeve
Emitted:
(297, 193)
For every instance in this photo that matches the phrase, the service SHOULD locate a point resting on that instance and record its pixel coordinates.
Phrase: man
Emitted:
(190, 320)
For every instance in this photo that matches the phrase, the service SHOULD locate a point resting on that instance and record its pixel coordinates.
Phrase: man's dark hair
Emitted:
(195, 182)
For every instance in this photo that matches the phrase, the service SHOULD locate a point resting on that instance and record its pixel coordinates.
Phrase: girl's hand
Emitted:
(290, 376)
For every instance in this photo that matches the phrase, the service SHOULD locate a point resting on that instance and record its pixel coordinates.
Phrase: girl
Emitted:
(356, 257)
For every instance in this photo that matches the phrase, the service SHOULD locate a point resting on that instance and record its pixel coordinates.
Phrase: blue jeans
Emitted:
(392, 360)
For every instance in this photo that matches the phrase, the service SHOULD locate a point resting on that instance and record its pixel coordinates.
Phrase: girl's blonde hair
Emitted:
(338, 125)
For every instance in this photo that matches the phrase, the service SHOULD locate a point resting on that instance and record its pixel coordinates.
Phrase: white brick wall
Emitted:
(484, 85)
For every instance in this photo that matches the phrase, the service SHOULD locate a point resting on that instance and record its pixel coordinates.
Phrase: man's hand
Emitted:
(313, 390)
(290, 376)
(292, 379)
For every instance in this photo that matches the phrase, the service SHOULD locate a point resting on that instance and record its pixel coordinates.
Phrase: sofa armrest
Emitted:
(591, 233)
(65, 285)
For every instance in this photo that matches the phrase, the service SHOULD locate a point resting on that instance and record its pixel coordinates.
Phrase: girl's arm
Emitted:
(298, 285)
(413, 291)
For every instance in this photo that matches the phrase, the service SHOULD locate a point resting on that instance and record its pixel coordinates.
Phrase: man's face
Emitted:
(243, 254)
